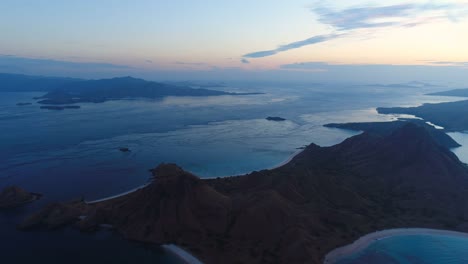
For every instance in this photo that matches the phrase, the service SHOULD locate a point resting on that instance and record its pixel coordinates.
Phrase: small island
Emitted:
(14, 196)
(23, 104)
(124, 149)
(59, 107)
(275, 118)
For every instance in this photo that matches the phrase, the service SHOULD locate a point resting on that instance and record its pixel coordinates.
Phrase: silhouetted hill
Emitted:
(450, 115)
(98, 91)
(386, 128)
(324, 198)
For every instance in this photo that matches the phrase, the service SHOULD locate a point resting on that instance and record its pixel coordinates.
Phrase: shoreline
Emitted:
(367, 240)
(297, 152)
(118, 195)
(182, 254)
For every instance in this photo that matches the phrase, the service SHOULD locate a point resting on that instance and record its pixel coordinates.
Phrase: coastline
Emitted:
(367, 240)
(182, 254)
(117, 195)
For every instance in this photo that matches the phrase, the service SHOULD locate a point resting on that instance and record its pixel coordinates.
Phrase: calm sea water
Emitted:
(74, 153)
(413, 249)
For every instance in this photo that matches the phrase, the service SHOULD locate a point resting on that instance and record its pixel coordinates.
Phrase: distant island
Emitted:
(60, 107)
(13, 196)
(275, 118)
(98, 91)
(450, 115)
(23, 104)
(386, 128)
(67, 91)
(455, 92)
(324, 198)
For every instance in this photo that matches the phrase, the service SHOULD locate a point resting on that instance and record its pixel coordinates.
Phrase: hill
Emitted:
(324, 198)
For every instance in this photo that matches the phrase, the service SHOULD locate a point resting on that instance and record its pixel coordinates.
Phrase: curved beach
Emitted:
(365, 241)
(182, 254)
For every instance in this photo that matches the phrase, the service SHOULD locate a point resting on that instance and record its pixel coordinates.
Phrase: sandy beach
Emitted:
(367, 240)
(182, 254)
(117, 195)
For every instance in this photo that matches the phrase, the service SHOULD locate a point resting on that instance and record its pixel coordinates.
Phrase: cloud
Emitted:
(245, 61)
(293, 45)
(380, 16)
(448, 63)
(190, 63)
(345, 21)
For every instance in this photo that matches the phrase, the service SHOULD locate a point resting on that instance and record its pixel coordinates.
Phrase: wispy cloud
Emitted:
(190, 63)
(245, 61)
(293, 45)
(345, 21)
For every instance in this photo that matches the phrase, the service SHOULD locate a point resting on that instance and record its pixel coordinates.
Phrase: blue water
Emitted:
(413, 249)
(74, 153)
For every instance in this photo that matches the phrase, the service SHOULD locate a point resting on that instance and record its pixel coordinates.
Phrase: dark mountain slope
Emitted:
(386, 128)
(322, 199)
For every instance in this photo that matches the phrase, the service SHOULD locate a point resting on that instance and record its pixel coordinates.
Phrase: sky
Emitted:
(213, 39)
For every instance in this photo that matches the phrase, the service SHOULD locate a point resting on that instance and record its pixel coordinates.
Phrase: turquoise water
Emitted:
(413, 249)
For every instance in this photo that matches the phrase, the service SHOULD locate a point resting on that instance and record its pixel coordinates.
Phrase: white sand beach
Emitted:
(365, 241)
(182, 254)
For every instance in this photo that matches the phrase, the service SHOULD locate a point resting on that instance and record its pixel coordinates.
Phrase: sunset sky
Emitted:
(151, 36)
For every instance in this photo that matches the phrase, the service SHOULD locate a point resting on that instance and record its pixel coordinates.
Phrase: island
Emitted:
(60, 107)
(450, 115)
(386, 128)
(13, 196)
(23, 104)
(99, 91)
(124, 149)
(324, 198)
(275, 118)
(455, 92)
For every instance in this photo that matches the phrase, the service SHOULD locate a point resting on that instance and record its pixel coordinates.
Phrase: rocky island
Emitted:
(324, 198)
(448, 115)
(275, 118)
(13, 196)
(60, 107)
(23, 104)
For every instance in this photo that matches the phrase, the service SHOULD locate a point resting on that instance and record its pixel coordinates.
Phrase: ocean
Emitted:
(413, 249)
(75, 153)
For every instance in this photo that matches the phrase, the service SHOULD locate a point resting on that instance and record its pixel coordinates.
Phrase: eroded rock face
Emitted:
(14, 196)
(322, 199)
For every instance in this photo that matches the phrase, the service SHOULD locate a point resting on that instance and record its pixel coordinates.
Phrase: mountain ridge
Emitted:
(323, 198)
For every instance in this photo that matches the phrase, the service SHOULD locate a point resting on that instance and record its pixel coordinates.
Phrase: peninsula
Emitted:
(324, 198)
